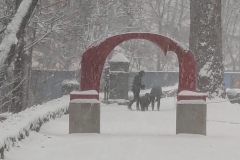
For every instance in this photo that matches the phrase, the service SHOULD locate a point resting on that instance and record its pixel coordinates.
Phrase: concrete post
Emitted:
(84, 116)
(191, 117)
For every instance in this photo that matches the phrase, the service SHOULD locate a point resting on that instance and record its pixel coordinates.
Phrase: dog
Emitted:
(145, 101)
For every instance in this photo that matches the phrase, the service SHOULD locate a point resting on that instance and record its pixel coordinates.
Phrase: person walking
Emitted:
(156, 94)
(136, 87)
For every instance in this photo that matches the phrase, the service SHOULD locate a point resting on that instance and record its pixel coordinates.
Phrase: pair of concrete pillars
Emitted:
(84, 112)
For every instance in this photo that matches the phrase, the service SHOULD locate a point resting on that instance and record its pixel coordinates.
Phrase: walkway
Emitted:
(135, 135)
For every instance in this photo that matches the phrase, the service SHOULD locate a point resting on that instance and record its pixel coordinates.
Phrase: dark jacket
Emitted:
(137, 84)
(156, 91)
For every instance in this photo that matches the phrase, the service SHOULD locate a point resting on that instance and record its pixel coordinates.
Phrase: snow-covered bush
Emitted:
(18, 126)
(70, 85)
(233, 95)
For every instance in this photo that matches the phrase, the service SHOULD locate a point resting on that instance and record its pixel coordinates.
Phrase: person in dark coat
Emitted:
(136, 87)
(145, 101)
(156, 94)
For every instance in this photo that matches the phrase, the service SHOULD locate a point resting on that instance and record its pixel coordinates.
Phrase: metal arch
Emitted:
(94, 58)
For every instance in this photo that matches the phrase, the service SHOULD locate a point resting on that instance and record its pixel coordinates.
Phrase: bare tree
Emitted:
(12, 35)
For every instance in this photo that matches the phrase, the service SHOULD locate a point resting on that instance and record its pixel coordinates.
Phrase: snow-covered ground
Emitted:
(137, 135)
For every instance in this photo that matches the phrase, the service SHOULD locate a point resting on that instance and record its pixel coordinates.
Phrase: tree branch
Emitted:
(13, 32)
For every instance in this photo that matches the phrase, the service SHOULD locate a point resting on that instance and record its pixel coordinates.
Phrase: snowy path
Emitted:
(136, 135)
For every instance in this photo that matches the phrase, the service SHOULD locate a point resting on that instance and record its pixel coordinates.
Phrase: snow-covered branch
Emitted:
(15, 30)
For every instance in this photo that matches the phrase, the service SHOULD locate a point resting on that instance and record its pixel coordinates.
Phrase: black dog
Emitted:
(145, 101)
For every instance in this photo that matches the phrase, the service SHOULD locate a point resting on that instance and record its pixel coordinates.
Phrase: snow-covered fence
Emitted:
(47, 84)
(18, 126)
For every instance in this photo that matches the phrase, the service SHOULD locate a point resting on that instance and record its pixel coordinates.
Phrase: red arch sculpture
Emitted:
(94, 58)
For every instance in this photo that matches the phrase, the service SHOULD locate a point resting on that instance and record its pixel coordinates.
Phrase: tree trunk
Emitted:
(18, 79)
(27, 67)
(206, 43)
(238, 59)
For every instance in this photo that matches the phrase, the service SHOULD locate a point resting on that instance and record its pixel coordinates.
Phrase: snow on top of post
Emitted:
(191, 102)
(89, 92)
(119, 58)
(84, 101)
(12, 29)
(191, 93)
